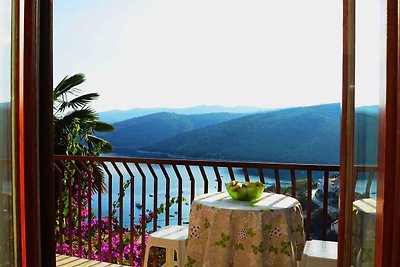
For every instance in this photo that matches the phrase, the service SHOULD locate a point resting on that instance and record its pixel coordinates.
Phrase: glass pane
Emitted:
(370, 80)
(6, 230)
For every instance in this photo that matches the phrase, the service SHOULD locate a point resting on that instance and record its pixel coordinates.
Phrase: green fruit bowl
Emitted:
(246, 191)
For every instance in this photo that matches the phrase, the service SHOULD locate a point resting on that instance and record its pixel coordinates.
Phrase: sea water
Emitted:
(186, 186)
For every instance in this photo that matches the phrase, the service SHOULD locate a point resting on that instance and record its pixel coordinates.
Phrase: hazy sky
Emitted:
(180, 53)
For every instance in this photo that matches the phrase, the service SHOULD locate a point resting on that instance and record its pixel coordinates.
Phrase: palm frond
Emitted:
(75, 121)
(98, 177)
(85, 114)
(104, 145)
(80, 115)
(67, 84)
(103, 127)
(78, 102)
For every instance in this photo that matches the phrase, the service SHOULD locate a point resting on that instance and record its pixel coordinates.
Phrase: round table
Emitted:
(226, 232)
(364, 220)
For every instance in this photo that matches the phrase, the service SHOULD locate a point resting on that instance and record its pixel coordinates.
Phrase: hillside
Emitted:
(113, 116)
(302, 135)
(371, 110)
(5, 130)
(138, 132)
(366, 138)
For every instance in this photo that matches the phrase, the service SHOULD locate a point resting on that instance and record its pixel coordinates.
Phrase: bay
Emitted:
(161, 182)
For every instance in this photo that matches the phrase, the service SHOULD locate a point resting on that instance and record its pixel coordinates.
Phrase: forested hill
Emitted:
(366, 138)
(5, 129)
(114, 116)
(138, 132)
(294, 135)
(302, 135)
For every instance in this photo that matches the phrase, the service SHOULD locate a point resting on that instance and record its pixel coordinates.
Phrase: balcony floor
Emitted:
(67, 261)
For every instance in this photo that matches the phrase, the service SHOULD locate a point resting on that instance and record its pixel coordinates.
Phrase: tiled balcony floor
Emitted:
(67, 261)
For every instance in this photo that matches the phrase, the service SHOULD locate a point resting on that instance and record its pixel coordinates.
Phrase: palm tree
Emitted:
(75, 122)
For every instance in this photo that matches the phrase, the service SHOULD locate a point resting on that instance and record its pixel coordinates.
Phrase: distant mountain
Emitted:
(121, 115)
(5, 130)
(303, 135)
(4, 105)
(366, 138)
(138, 132)
(373, 110)
(300, 135)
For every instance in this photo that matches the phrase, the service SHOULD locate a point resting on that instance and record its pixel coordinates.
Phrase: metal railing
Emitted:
(159, 181)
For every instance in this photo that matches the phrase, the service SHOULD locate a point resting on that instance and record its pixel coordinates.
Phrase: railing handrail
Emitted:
(211, 163)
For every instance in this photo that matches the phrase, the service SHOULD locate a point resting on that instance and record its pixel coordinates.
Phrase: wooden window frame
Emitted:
(33, 59)
(388, 196)
(33, 82)
(387, 243)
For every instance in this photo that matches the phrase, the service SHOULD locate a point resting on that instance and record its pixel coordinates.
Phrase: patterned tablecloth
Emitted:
(364, 220)
(225, 232)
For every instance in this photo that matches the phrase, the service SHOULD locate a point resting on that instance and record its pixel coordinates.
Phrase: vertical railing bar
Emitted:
(121, 210)
(293, 181)
(155, 196)
(218, 176)
(110, 211)
(144, 219)
(205, 178)
(79, 181)
(90, 215)
(60, 203)
(246, 174)
(132, 209)
(369, 184)
(192, 183)
(261, 175)
(178, 175)
(277, 181)
(357, 173)
(89, 190)
(69, 184)
(325, 208)
(167, 193)
(231, 173)
(155, 207)
(99, 221)
(309, 203)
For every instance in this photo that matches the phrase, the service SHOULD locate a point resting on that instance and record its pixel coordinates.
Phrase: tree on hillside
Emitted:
(75, 122)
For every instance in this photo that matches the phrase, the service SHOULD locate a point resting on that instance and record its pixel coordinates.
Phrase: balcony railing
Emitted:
(144, 184)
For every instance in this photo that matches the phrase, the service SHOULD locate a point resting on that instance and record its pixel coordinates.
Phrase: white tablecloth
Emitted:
(225, 232)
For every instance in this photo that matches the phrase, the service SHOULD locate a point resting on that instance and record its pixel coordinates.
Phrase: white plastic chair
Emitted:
(172, 238)
(318, 253)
